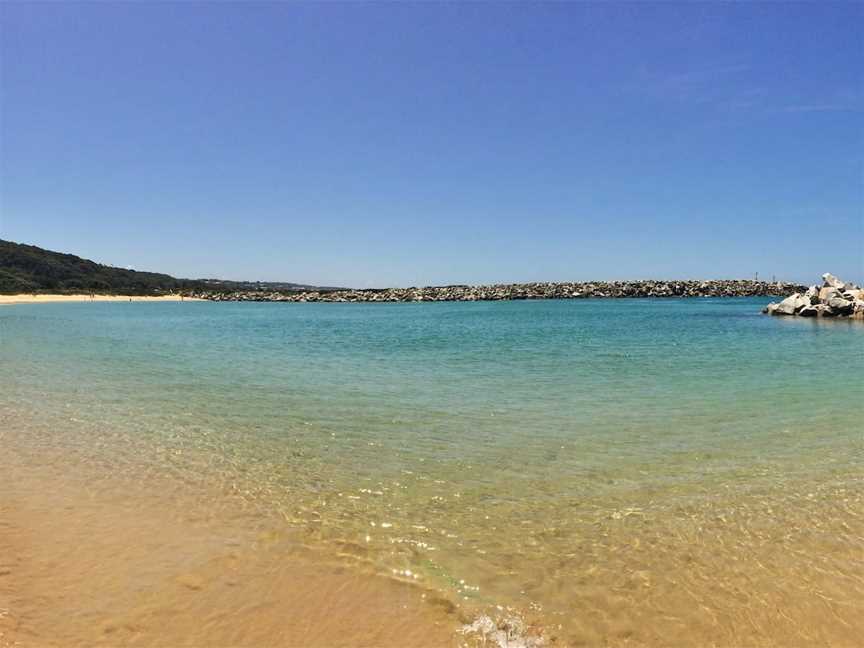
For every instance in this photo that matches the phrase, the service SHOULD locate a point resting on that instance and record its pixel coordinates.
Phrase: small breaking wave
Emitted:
(506, 632)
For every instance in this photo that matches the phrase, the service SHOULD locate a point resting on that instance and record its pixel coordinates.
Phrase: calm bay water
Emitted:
(622, 471)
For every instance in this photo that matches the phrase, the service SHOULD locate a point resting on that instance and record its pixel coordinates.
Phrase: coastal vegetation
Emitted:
(31, 269)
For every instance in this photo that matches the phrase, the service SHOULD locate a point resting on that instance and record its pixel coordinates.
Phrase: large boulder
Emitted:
(828, 292)
(791, 305)
(841, 306)
(832, 282)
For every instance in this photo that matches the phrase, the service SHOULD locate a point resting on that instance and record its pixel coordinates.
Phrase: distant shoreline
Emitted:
(511, 292)
(8, 300)
(727, 288)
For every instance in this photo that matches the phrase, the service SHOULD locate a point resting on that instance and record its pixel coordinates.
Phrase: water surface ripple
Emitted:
(640, 472)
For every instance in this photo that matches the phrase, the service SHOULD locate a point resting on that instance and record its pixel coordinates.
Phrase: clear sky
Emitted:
(373, 144)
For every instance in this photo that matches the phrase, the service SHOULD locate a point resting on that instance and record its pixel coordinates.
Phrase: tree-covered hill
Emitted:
(26, 268)
(30, 269)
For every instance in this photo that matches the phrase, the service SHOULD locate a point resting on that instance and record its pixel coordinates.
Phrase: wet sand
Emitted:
(97, 563)
(48, 299)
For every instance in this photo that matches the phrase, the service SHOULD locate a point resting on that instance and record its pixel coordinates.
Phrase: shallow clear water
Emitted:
(604, 468)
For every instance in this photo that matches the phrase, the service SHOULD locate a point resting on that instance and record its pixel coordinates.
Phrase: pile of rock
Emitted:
(834, 298)
(499, 292)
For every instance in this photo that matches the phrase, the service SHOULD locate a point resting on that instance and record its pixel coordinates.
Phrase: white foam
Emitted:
(507, 633)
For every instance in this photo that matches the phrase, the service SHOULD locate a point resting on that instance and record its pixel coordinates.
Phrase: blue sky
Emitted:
(373, 144)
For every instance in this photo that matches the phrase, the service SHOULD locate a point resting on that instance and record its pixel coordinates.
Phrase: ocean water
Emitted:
(624, 472)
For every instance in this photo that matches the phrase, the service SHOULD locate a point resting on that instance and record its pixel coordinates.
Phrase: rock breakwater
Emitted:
(834, 298)
(501, 292)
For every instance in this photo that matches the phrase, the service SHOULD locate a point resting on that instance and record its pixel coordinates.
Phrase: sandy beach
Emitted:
(47, 298)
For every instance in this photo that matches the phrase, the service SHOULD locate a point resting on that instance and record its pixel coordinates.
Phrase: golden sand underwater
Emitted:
(90, 558)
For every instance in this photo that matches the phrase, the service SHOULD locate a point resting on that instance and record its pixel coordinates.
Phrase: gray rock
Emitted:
(841, 306)
(791, 305)
(568, 290)
(834, 299)
(828, 292)
(833, 282)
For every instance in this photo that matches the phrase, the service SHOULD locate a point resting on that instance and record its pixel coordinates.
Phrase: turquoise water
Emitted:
(557, 458)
